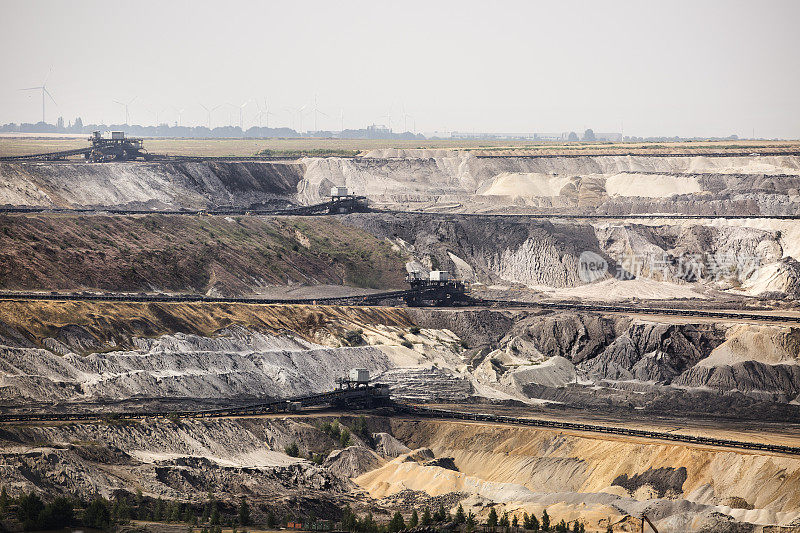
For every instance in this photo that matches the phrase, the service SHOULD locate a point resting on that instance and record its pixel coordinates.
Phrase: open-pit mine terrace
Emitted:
(184, 285)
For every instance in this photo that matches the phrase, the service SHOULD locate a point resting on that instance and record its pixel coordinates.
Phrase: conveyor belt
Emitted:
(377, 297)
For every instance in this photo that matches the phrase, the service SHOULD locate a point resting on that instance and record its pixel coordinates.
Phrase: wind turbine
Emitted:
(263, 112)
(153, 112)
(43, 88)
(209, 111)
(125, 105)
(241, 109)
(180, 113)
(341, 119)
(299, 113)
(317, 112)
(156, 112)
(267, 112)
(291, 111)
(406, 116)
(388, 116)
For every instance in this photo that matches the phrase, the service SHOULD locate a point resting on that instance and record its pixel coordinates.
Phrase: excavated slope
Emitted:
(590, 184)
(174, 460)
(221, 255)
(529, 469)
(606, 184)
(544, 254)
(95, 352)
(161, 185)
(573, 476)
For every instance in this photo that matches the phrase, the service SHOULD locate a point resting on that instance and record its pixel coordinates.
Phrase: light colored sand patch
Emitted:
(525, 184)
(614, 289)
(774, 277)
(789, 231)
(744, 165)
(253, 459)
(767, 344)
(404, 473)
(463, 269)
(650, 185)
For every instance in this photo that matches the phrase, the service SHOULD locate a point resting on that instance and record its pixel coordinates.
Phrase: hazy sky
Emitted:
(662, 68)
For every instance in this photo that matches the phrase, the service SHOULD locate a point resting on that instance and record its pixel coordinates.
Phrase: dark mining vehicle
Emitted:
(438, 288)
(343, 201)
(115, 148)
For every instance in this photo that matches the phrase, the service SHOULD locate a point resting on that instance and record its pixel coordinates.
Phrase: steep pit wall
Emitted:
(460, 180)
(217, 255)
(544, 254)
(590, 184)
(497, 250)
(149, 185)
(181, 460)
(63, 351)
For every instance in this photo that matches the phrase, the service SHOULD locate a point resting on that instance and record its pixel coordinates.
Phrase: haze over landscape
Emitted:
(712, 68)
(400, 267)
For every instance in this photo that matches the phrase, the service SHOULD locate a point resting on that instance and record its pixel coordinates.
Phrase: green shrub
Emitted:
(316, 458)
(292, 450)
(344, 438)
(354, 337)
(97, 514)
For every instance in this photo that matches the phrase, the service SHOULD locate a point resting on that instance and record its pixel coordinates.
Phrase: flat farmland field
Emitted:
(14, 145)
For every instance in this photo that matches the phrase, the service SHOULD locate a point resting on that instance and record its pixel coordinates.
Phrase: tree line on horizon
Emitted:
(166, 130)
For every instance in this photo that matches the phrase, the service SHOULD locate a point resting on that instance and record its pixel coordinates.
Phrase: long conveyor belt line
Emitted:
(260, 408)
(594, 428)
(47, 156)
(322, 209)
(377, 297)
(201, 298)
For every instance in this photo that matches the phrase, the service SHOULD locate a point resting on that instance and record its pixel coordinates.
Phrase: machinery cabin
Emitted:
(358, 377)
(117, 147)
(438, 288)
(342, 201)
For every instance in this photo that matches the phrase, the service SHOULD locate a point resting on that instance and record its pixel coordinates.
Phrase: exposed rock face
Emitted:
(654, 352)
(663, 480)
(140, 351)
(526, 469)
(477, 327)
(171, 460)
(352, 461)
(238, 363)
(545, 255)
(415, 384)
(755, 360)
(507, 250)
(224, 256)
(503, 467)
(605, 184)
(154, 185)
(388, 446)
(575, 337)
(776, 382)
(778, 279)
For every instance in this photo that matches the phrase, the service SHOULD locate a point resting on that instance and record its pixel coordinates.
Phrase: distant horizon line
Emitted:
(376, 129)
